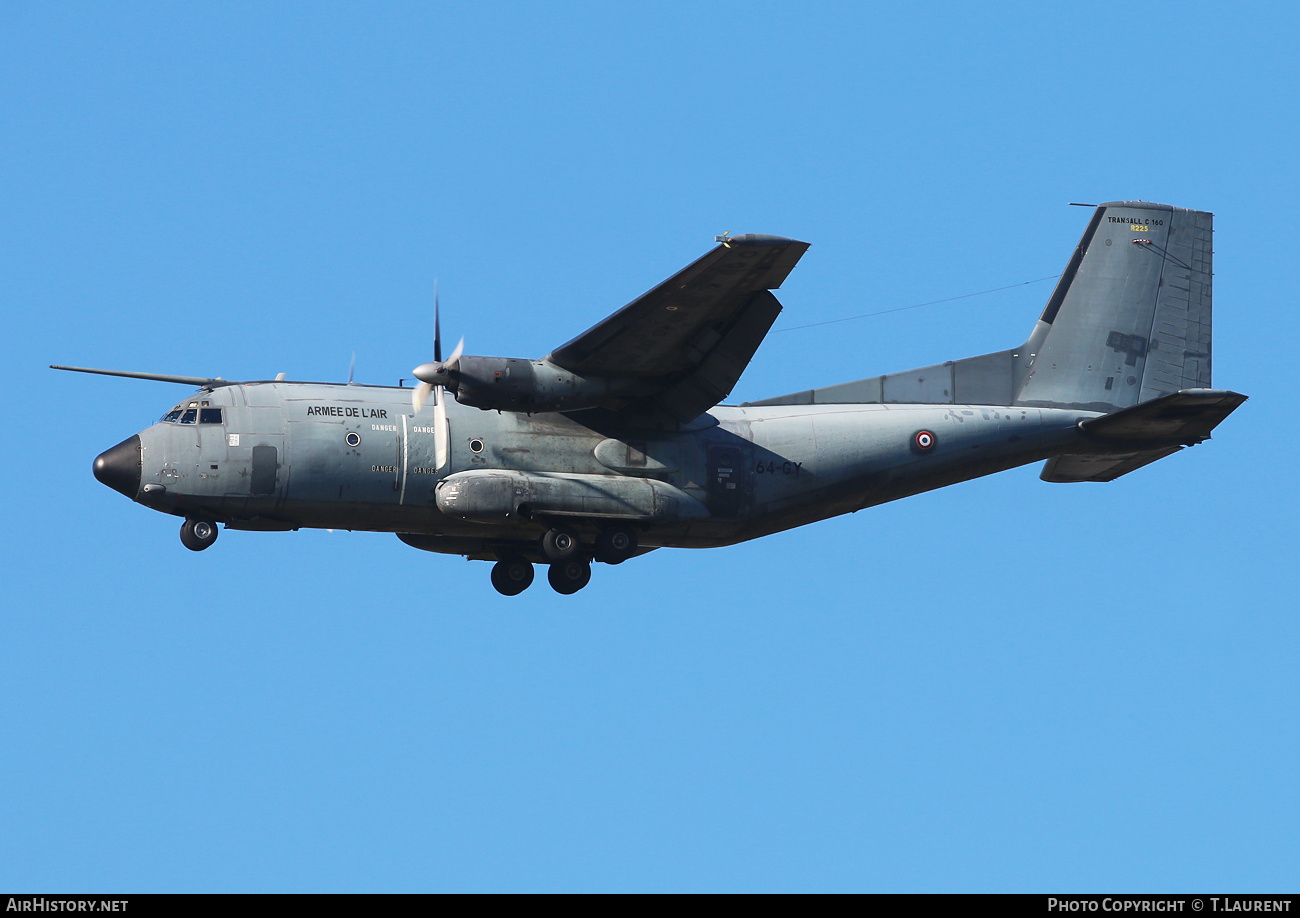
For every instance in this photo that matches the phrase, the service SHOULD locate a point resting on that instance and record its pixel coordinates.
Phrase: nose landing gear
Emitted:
(197, 535)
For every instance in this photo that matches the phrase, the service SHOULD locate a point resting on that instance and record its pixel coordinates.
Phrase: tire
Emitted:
(512, 575)
(561, 544)
(197, 535)
(568, 577)
(616, 544)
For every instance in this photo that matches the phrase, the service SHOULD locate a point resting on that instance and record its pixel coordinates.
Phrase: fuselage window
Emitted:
(209, 415)
(173, 415)
(189, 416)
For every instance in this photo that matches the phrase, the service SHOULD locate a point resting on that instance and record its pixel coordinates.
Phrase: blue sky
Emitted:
(1004, 685)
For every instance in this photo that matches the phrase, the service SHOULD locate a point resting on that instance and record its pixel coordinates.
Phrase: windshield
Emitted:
(193, 413)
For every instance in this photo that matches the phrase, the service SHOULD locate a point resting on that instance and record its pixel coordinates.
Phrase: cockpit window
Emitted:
(189, 416)
(173, 414)
(209, 415)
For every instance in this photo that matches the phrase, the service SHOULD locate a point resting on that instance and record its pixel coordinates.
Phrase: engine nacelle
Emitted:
(513, 384)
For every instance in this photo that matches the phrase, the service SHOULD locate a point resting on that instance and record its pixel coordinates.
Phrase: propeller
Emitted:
(433, 379)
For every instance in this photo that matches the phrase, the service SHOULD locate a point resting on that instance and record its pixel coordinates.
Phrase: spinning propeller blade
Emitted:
(455, 355)
(432, 378)
(437, 327)
(439, 428)
(419, 395)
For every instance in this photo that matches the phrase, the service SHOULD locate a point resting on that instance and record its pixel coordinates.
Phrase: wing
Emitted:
(684, 344)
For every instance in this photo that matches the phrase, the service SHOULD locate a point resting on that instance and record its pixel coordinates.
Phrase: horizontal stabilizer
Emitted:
(1075, 467)
(1130, 438)
(1185, 417)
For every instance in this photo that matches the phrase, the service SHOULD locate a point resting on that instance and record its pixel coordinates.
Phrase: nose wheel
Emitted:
(197, 535)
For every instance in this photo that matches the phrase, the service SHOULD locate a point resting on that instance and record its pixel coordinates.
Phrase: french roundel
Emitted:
(923, 439)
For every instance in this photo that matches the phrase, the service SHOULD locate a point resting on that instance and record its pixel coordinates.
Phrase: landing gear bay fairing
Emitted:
(615, 443)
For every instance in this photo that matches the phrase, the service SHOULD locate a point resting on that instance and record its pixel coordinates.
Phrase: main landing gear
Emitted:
(512, 575)
(560, 543)
(569, 576)
(616, 544)
(569, 561)
(197, 535)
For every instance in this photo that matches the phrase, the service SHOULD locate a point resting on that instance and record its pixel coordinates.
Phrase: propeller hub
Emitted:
(435, 374)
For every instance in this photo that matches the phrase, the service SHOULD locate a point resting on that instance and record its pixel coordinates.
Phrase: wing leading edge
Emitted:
(684, 344)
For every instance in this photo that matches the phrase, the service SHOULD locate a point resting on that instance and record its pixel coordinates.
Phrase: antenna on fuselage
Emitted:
(352, 368)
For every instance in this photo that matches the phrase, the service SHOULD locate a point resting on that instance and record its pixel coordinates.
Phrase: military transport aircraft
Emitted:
(615, 444)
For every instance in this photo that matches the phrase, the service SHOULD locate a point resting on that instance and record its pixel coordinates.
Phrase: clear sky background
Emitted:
(1004, 685)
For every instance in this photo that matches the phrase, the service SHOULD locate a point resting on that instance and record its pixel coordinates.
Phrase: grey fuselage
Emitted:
(289, 455)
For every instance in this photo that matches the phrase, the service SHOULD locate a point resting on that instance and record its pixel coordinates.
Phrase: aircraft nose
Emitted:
(119, 467)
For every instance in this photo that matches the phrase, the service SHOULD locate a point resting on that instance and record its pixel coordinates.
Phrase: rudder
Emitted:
(1130, 318)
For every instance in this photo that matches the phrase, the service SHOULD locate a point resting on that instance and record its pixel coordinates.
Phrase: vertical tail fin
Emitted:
(1129, 320)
